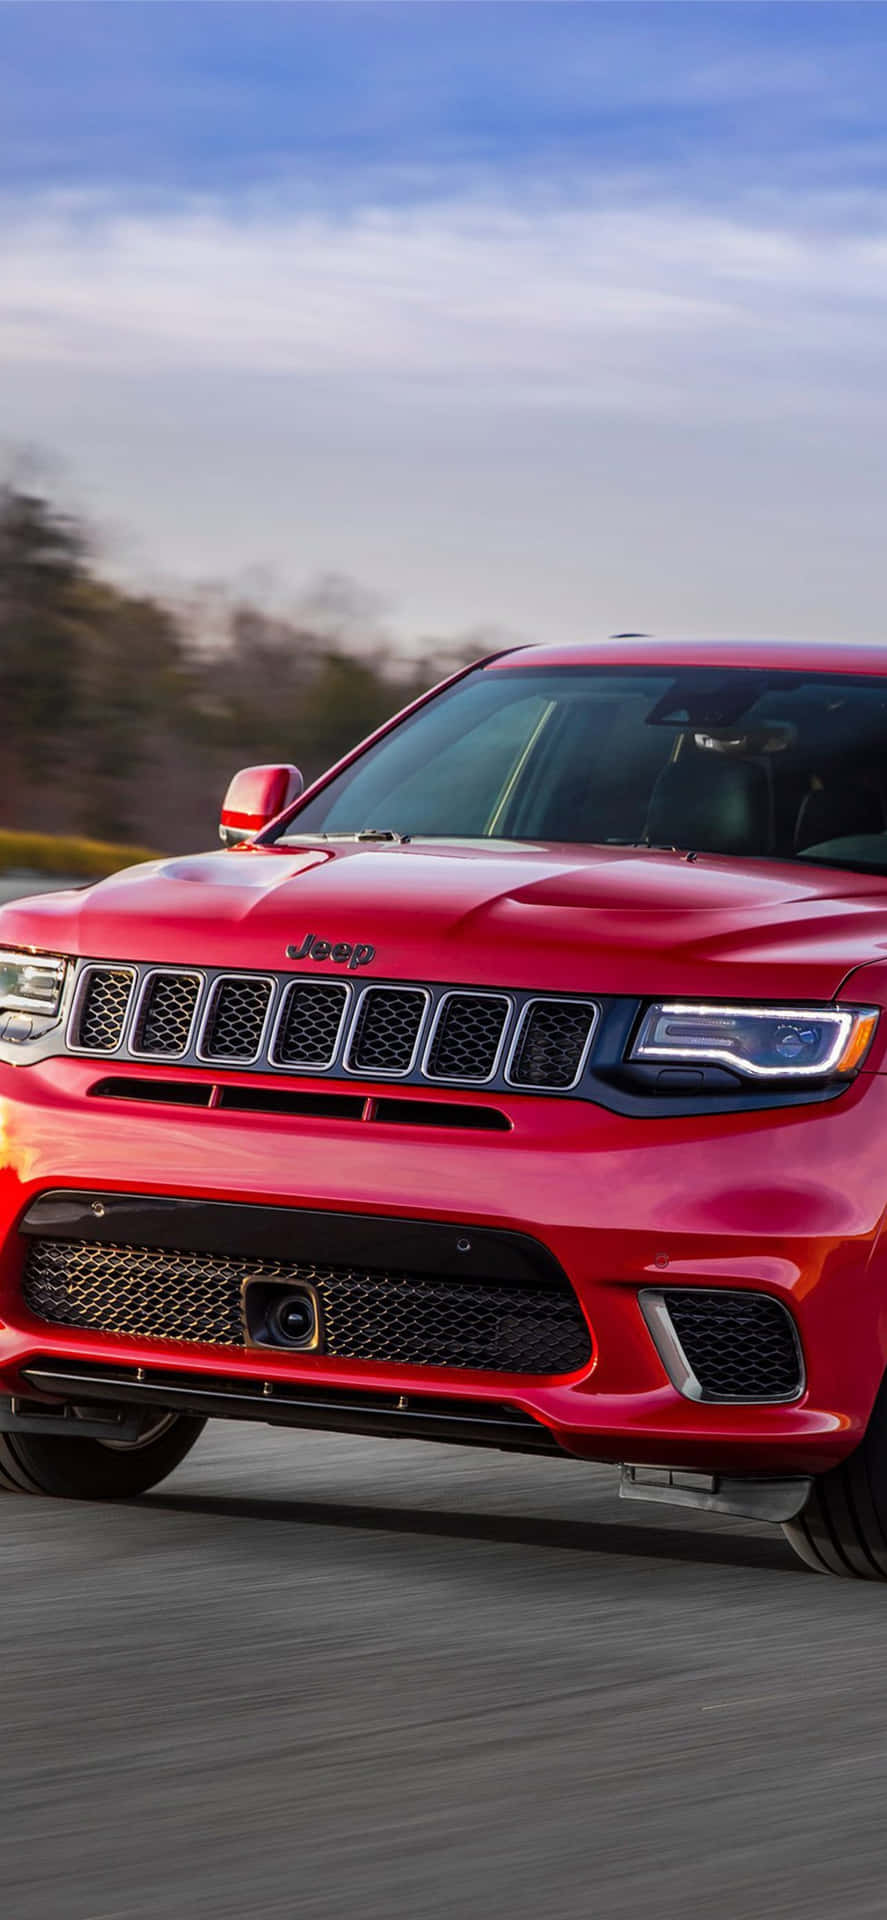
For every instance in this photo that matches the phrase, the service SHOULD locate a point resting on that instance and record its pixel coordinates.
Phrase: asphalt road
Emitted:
(12, 886)
(315, 1676)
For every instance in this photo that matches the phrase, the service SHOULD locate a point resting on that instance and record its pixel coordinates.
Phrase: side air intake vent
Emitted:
(720, 1344)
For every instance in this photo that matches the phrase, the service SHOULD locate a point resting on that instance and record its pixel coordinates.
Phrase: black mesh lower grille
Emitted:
(368, 1314)
(740, 1346)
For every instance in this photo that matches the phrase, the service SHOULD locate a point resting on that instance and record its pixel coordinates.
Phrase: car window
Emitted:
(461, 775)
(781, 764)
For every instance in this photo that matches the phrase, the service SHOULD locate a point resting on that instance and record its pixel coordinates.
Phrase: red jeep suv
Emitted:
(522, 1084)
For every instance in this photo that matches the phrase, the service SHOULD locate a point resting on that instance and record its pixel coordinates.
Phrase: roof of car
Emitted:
(820, 656)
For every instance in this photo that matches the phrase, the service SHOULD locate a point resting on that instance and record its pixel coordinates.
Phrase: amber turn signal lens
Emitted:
(860, 1039)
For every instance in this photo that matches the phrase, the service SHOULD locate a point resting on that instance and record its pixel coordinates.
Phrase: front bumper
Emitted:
(785, 1202)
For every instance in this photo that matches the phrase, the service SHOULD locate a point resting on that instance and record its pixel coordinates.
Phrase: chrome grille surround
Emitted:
(236, 1019)
(575, 1054)
(166, 1014)
(371, 1034)
(321, 1008)
(112, 985)
(332, 1027)
(467, 1026)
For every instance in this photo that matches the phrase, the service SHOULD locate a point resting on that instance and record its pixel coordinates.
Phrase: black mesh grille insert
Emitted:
(461, 1036)
(384, 1039)
(741, 1346)
(236, 1019)
(551, 1044)
(467, 1037)
(103, 1009)
(312, 1017)
(368, 1314)
(163, 1022)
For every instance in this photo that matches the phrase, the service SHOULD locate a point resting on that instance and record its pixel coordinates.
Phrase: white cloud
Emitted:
(534, 412)
(601, 304)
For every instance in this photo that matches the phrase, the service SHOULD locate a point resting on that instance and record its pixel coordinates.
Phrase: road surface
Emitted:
(13, 886)
(317, 1676)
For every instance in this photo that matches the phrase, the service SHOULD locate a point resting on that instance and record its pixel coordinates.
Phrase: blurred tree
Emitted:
(131, 677)
(42, 560)
(124, 721)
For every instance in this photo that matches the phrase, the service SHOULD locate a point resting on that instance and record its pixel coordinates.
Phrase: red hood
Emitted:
(575, 919)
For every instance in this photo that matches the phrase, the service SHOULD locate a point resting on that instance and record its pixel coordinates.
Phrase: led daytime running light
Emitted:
(852, 1030)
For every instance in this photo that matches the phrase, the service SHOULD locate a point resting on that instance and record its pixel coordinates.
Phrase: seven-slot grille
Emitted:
(456, 1036)
(368, 1313)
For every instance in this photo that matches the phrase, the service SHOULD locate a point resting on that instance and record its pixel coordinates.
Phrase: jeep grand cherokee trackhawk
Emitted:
(522, 1084)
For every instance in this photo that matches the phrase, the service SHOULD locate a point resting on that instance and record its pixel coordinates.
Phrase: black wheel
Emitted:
(843, 1527)
(75, 1469)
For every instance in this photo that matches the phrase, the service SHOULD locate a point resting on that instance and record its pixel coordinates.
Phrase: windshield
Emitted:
(783, 765)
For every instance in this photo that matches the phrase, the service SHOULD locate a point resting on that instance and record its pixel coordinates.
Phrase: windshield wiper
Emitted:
(646, 846)
(380, 834)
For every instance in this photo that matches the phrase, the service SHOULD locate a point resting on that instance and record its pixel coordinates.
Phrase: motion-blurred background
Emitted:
(339, 342)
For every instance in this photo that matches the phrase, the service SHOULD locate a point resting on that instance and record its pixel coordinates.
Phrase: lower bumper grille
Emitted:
(717, 1344)
(367, 1313)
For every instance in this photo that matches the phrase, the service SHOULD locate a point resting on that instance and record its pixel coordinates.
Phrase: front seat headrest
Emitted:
(711, 802)
(839, 810)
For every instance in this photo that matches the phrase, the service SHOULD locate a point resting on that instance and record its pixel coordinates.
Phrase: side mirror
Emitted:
(255, 797)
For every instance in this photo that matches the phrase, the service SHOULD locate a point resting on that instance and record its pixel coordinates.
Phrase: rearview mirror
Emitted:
(255, 797)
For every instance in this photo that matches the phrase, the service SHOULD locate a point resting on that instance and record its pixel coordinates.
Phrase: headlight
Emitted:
(31, 983)
(761, 1043)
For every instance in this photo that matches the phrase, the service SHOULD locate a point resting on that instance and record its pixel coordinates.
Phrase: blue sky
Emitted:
(533, 316)
(152, 95)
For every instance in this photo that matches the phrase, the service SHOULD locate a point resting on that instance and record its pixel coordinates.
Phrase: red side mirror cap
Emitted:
(255, 797)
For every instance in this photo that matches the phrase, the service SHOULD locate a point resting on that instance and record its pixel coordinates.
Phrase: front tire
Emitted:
(71, 1469)
(843, 1527)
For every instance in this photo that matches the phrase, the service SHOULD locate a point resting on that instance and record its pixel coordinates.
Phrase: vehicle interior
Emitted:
(774, 765)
